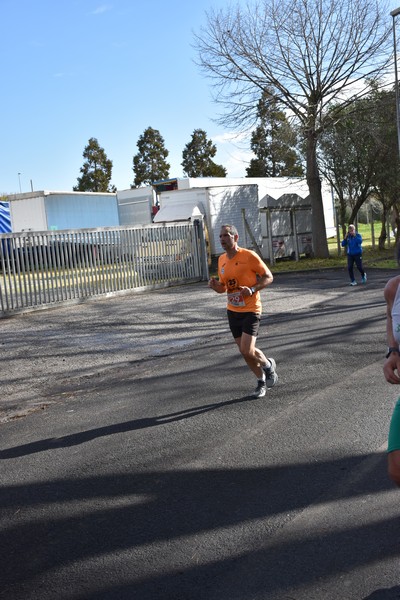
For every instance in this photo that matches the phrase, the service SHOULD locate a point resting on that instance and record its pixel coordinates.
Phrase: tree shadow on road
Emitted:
(209, 534)
(91, 434)
(385, 594)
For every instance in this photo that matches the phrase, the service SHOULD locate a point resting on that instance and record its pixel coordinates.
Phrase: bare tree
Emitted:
(310, 53)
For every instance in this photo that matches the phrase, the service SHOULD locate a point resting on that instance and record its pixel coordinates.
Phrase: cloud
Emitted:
(235, 162)
(102, 9)
(233, 152)
(232, 137)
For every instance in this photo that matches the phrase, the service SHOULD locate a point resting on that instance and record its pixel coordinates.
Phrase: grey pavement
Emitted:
(44, 353)
(135, 466)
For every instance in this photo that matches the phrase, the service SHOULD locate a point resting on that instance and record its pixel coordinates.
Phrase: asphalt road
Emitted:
(135, 465)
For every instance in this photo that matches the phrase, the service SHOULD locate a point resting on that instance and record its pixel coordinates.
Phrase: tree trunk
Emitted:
(342, 215)
(383, 234)
(320, 243)
(396, 221)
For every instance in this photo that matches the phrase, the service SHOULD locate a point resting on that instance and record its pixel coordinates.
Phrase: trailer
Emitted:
(136, 206)
(52, 211)
(216, 205)
(272, 215)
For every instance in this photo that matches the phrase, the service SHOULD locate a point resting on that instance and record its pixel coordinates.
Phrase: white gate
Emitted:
(39, 269)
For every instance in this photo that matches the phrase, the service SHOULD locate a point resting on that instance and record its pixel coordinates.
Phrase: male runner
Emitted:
(242, 274)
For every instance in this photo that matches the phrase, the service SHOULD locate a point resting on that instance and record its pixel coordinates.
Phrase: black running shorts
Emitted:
(243, 322)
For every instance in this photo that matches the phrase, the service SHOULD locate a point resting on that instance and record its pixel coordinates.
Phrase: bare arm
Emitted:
(216, 285)
(262, 282)
(391, 368)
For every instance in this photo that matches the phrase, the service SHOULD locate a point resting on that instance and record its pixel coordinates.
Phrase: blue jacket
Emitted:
(353, 243)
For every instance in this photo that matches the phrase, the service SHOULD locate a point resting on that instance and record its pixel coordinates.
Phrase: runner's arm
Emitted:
(391, 368)
(216, 285)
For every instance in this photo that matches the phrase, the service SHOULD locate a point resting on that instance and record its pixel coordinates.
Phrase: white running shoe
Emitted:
(260, 390)
(270, 374)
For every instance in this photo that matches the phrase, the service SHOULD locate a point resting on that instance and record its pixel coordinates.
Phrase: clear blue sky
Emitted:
(76, 69)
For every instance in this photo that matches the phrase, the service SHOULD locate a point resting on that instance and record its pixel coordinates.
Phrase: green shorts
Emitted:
(394, 429)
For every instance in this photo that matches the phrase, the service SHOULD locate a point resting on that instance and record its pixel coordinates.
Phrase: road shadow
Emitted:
(392, 593)
(196, 523)
(75, 439)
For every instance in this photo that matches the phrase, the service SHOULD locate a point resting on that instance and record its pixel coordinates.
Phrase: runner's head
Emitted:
(228, 237)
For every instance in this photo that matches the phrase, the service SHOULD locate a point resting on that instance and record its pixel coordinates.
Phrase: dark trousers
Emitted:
(356, 258)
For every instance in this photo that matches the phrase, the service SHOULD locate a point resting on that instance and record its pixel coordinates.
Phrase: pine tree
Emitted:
(96, 170)
(197, 157)
(149, 164)
(274, 143)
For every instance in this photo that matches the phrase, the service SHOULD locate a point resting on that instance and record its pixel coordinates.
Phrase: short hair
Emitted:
(351, 226)
(231, 228)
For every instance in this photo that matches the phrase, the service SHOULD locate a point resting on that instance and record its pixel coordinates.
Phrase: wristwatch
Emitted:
(392, 349)
(253, 291)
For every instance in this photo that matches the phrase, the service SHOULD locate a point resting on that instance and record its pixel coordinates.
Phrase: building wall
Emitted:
(42, 211)
(80, 211)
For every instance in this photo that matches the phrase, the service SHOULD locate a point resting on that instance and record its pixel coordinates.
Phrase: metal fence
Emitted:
(39, 269)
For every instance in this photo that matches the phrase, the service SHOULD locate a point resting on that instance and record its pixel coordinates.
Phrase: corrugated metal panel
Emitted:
(226, 207)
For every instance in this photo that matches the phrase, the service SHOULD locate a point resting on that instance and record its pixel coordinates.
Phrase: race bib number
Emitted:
(236, 299)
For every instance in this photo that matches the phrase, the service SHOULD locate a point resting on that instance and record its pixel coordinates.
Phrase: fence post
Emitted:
(269, 231)
(248, 230)
(293, 225)
(199, 230)
(388, 230)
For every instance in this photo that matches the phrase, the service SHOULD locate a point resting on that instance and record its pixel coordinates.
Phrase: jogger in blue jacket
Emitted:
(353, 242)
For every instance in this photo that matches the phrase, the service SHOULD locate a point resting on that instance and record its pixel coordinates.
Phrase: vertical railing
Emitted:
(44, 268)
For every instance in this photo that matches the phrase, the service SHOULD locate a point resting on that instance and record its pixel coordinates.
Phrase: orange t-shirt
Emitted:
(241, 270)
